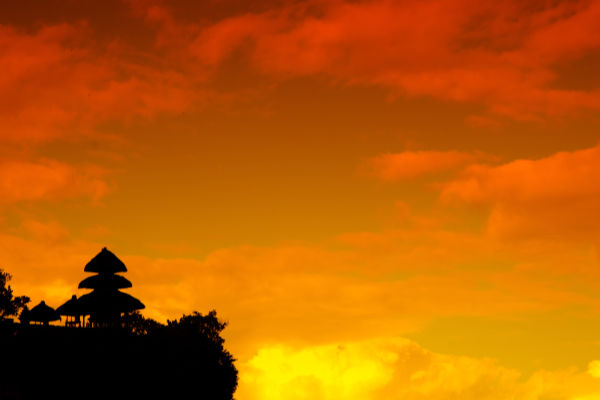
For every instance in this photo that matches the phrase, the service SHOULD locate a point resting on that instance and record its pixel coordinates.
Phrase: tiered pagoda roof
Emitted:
(101, 281)
(105, 303)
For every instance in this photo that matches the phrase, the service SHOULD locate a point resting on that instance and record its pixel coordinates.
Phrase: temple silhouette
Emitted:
(107, 350)
(102, 307)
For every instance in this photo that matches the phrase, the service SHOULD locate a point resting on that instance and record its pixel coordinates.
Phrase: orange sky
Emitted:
(385, 199)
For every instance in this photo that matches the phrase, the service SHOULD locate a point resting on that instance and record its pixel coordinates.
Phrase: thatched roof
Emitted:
(105, 262)
(108, 301)
(71, 307)
(42, 313)
(105, 281)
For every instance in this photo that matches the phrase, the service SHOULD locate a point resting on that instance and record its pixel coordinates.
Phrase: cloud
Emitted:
(553, 195)
(594, 368)
(63, 79)
(216, 43)
(414, 164)
(47, 179)
(495, 54)
(395, 368)
(57, 83)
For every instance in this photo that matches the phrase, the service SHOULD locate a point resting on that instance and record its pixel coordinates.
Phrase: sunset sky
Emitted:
(385, 199)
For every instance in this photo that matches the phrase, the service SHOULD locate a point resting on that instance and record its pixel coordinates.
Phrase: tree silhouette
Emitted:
(201, 357)
(9, 305)
(187, 355)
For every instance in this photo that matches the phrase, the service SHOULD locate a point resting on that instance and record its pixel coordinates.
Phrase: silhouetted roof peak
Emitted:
(105, 262)
(43, 313)
(71, 307)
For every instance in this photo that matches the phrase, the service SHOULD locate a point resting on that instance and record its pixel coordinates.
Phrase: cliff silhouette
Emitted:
(117, 354)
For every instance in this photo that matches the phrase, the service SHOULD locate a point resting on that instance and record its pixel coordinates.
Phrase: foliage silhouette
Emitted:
(139, 325)
(10, 305)
(208, 327)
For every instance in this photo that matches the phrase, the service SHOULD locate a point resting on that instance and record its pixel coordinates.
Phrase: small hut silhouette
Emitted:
(42, 314)
(106, 303)
(71, 311)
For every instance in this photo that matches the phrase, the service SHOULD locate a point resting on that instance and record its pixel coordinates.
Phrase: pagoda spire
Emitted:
(106, 303)
(105, 262)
